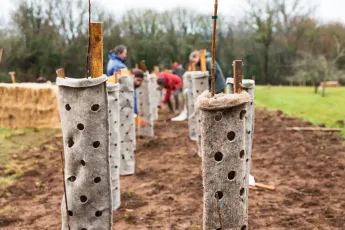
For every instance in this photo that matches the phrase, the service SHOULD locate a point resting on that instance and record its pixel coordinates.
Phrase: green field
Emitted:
(302, 102)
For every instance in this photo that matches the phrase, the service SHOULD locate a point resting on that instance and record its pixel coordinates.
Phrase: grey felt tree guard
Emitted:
(249, 86)
(191, 105)
(127, 125)
(224, 159)
(154, 97)
(145, 107)
(200, 84)
(114, 142)
(83, 107)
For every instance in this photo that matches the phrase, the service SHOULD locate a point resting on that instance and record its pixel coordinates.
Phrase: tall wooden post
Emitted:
(203, 60)
(1, 51)
(13, 76)
(96, 49)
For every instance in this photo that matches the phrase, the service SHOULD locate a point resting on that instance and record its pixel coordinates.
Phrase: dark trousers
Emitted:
(170, 105)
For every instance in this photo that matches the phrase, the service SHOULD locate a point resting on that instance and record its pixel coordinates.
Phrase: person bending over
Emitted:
(172, 83)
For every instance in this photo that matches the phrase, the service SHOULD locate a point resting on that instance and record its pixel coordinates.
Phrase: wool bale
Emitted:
(29, 105)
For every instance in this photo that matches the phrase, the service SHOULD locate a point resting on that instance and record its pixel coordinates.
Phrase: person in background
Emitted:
(220, 82)
(117, 59)
(138, 79)
(41, 79)
(178, 69)
(171, 83)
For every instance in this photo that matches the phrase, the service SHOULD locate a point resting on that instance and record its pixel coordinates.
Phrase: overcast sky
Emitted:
(328, 10)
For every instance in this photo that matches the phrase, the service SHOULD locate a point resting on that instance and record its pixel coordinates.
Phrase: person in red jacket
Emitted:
(172, 83)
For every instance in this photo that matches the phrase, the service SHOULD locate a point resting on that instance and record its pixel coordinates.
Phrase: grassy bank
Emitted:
(14, 142)
(302, 102)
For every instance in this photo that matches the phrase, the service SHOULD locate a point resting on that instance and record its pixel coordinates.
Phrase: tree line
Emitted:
(278, 40)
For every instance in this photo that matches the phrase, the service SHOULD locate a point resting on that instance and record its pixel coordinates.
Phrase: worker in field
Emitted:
(117, 59)
(138, 79)
(220, 83)
(172, 83)
(177, 69)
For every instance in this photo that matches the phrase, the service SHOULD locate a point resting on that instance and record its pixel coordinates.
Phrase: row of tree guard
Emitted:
(99, 137)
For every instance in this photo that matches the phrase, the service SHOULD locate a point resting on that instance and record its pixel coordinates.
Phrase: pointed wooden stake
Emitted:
(13, 77)
(203, 60)
(60, 73)
(96, 49)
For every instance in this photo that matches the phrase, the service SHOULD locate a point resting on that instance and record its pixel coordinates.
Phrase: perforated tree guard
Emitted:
(224, 159)
(114, 142)
(154, 96)
(127, 125)
(83, 108)
(145, 107)
(188, 85)
(200, 84)
(249, 86)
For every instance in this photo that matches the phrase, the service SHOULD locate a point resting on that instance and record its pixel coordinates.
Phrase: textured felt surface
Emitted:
(84, 119)
(114, 142)
(224, 161)
(188, 86)
(155, 96)
(144, 100)
(199, 85)
(127, 125)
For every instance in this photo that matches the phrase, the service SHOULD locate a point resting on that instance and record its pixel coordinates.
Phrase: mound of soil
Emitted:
(307, 169)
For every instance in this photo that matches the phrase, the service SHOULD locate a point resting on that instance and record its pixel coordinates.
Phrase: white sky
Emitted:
(328, 10)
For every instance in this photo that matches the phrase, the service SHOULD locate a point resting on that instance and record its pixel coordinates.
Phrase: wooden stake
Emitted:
(60, 73)
(124, 72)
(189, 67)
(64, 187)
(13, 77)
(313, 129)
(143, 66)
(96, 49)
(156, 70)
(193, 67)
(269, 187)
(203, 60)
(1, 50)
(214, 17)
(237, 65)
(136, 66)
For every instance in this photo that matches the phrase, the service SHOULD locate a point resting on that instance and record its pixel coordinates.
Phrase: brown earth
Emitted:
(307, 169)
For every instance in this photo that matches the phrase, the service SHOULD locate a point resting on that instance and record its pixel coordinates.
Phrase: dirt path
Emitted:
(166, 193)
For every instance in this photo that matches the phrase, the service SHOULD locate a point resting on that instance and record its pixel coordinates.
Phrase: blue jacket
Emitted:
(115, 64)
(135, 102)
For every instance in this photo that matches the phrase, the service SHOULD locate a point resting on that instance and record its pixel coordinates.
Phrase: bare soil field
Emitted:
(308, 170)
